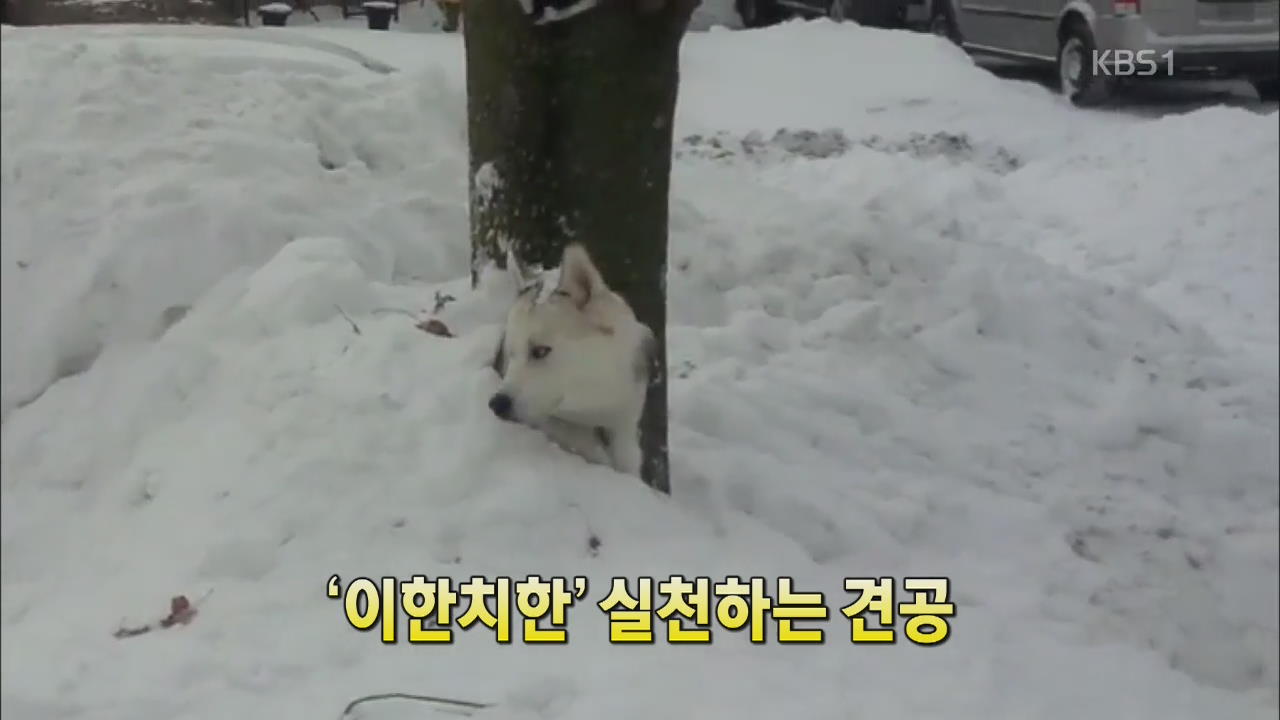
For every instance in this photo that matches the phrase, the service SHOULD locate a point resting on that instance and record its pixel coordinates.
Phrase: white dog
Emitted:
(575, 364)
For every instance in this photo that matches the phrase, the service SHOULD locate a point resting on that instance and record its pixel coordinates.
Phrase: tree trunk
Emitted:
(570, 128)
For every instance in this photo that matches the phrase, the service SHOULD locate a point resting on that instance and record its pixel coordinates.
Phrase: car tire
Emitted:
(1076, 79)
(942, 22)
(758, 13)
(1268, 90)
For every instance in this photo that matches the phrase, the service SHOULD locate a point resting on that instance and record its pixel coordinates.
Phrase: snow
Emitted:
(551, 14)
(487, 181)
(278, 7)
(715, 15)
(923, 323)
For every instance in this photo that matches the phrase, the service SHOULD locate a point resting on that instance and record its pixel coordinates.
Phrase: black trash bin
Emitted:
(379, 13)
(274, 14)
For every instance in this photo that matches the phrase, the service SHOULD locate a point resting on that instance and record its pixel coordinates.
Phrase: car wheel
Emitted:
(943, 24)
(1076, 78)
(1268, 90)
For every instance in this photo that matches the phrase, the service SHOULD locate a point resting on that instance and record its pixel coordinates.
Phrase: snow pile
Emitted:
(111, 189)
(1187, 223)
(1046, 379)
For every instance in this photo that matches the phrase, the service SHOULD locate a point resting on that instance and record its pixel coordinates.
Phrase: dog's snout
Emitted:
(500, 404)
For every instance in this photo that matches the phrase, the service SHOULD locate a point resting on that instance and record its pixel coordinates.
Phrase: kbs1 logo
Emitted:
(1130, 63)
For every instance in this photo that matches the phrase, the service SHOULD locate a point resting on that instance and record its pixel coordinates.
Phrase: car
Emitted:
(1100, 46)
(872, 13)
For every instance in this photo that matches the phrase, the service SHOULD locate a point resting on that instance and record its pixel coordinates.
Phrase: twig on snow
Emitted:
(441, 299)
(354, 326)
(399, 311)
(593, 540)
(181, 612)
(125, 632)
(467, 704)
(430, 324)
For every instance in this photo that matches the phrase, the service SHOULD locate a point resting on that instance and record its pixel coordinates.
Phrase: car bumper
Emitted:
(1250, 63)
(1252, 54)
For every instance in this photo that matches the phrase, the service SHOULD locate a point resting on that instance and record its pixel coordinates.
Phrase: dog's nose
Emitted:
(500, 404)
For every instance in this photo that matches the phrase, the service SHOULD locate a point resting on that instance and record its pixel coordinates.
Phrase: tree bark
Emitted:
(570, 127)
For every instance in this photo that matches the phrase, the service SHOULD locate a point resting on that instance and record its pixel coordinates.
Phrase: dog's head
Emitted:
(565, 352)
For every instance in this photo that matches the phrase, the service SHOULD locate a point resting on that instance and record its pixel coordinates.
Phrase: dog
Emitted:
(575, 363)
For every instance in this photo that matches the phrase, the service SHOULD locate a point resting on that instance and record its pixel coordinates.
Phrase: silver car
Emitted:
(1100, 45)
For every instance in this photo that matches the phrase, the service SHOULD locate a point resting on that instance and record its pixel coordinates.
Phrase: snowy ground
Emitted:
(956, 329)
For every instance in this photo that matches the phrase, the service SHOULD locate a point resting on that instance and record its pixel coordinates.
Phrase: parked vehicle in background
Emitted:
(872, 13)
(1098, 46)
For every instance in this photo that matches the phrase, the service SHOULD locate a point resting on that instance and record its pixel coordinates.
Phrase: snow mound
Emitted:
(108, 189)
(891, 354)
(872, 82)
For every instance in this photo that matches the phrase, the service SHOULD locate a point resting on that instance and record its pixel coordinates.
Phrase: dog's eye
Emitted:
(537, 352)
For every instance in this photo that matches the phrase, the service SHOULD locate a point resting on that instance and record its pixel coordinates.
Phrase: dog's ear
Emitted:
(520, 275)
(579, 277)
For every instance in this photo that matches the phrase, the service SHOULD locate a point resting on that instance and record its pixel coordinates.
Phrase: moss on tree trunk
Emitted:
(573, 119)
